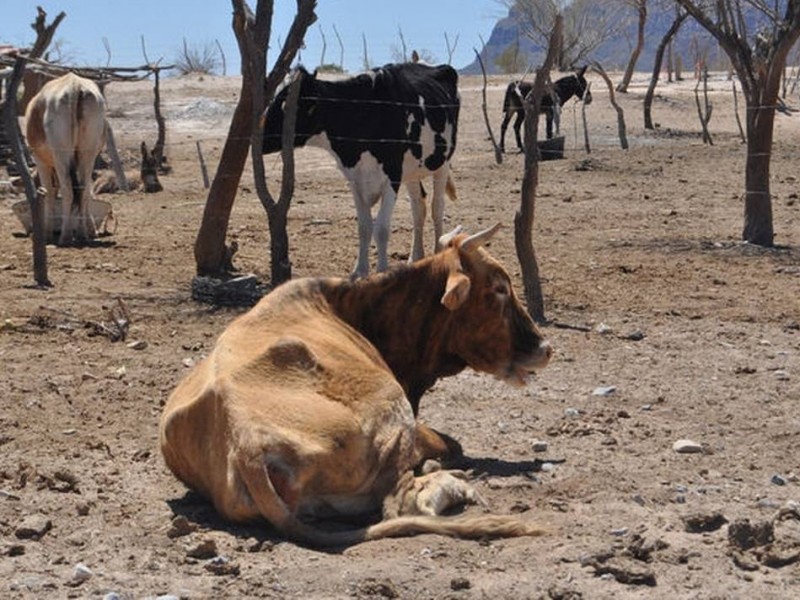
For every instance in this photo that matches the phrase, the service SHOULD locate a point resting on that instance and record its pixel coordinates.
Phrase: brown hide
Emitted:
(296, 412)
(65, 129)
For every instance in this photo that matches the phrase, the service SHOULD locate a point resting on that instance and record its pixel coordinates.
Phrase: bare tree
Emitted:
(758, 57)
(210, 250)
(586, 25)
(641, 11)
(498, 154)
(366, 56)
(324, 45)
(666, 41)
(523, 220)
(341, 47)
(450, 48)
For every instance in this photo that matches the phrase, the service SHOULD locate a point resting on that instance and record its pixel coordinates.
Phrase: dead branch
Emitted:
(498, 154)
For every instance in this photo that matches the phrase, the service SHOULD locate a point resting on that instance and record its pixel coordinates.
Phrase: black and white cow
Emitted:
(391, 125)
(563, 89)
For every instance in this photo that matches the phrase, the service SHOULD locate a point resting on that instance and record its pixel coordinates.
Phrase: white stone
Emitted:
(687, 447)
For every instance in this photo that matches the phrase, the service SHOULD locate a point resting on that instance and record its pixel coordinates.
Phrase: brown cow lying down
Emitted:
(302, 408)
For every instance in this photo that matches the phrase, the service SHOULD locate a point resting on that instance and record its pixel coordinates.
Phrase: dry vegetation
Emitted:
(678, 331)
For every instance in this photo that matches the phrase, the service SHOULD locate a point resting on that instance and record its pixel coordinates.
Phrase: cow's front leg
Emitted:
(430, 443)
(437, 203)
(364, 215)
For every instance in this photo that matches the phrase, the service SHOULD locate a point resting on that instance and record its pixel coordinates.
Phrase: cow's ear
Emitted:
(457, 290)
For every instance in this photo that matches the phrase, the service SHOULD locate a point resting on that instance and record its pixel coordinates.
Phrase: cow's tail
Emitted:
(272, 507)
(77, 188)
(450, 188)
(464, 527)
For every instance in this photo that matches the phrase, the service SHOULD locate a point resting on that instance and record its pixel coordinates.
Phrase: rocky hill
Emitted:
(613, 54)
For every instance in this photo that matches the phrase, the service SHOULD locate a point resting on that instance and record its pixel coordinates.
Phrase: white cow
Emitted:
(65, 128)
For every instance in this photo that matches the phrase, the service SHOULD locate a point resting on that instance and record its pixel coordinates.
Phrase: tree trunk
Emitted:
(209, 247)
(758, 227)
(626, 78)
(657, 61)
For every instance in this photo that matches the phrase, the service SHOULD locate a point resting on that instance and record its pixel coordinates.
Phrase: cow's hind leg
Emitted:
(503, 127)
(416, 196)
(517, 126)
(440, 178)
(66, 175)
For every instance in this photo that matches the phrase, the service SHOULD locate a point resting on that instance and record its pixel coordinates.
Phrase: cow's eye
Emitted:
(501, 288)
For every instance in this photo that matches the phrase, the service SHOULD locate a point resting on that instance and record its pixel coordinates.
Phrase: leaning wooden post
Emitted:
(498, 154)
(203, 169)
(34, 199)
(623, 138)
(523, 220)
(585, 124)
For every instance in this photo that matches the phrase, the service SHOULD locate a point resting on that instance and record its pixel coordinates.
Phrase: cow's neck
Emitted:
(401, 314)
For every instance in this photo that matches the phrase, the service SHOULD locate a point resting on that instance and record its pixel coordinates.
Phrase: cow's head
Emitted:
(493, 331)
(307, 121)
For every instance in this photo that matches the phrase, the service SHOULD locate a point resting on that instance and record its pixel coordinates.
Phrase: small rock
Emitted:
(619, 532)
(702, 522)
(180, 527)
(33, 527)
(188, 362)
(603, 329)
(138, 345)
(782, 375)
(112, 596)
(82, 573)
(606, 390)
(460, 583)
(687, 447)
(220, 565)
(639, 499)
(539, 446)
(547, 467)
(206, 548)
(635, 336)
(778, 480)
(571, 412)
(745, 535)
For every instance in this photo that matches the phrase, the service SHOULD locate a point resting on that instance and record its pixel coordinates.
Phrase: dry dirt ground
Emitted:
(666, 327)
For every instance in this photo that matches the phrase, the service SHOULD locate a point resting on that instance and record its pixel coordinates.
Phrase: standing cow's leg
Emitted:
(503, 127)
(517, 126)
(437, 203)
(418, 210)
(65, 173)
(383, 226)
(549, 122)
(364, 215)
(47, 178)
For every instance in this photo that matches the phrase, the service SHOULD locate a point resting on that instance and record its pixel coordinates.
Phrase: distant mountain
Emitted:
(613, 54)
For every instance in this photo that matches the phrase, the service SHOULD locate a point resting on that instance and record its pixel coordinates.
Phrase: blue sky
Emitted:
(165, 23)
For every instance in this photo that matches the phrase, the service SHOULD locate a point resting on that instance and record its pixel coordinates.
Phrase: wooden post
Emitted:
(203, 169)
(498, 154)
(35, 200)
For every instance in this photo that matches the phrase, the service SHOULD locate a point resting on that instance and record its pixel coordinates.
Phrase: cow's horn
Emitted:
(446, 238)
(479, 239)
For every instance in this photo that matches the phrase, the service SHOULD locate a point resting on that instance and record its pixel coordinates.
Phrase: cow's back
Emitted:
(291, 373)
(66, 116)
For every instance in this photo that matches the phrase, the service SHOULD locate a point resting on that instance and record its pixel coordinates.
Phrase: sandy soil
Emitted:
(666, 327)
